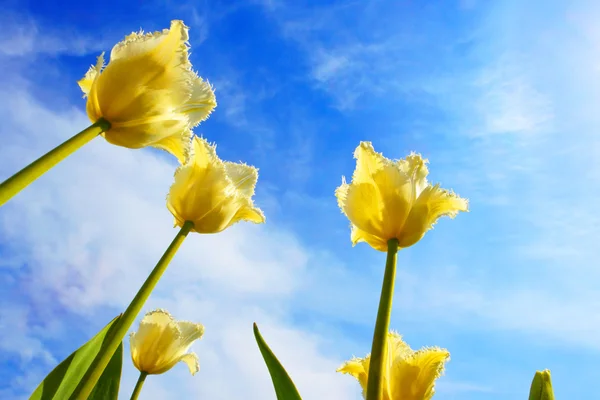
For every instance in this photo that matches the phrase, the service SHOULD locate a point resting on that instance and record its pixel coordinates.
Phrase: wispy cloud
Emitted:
(23, 36)
(358, 52)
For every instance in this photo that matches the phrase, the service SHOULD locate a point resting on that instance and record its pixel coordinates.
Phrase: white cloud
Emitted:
(508, 103)
(329, 66)
(342, 64)
(22, 36)
(530, 310)
(25, 345)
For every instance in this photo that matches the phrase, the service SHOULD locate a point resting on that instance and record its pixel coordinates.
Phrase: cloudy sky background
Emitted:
(502, 98)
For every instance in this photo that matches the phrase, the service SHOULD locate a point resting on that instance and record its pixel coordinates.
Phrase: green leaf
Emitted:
(62, 381)
(107, 387)
(541, 386)
(284, 387)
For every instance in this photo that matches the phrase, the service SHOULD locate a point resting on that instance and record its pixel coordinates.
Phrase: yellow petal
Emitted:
(147, 75)
(204, 154)
(191, 360)
(432, 204)
(413, 378)
(415, 167)
(357, 236)
(156, 45)
(396, 193)
(86, 82)
(201, 103)
(171, 135)
(243, 177)
(358, 368)
(398, 348)
(341, 194)
(178, 145)
(190, 332)
(247, 212)
(368, 162)
(363, 207)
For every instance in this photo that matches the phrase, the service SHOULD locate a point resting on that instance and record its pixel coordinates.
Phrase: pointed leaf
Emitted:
(62, 380)
(107, 387)
(284, 387)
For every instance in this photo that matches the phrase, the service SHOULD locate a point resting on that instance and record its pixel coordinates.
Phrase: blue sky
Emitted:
(500, 96)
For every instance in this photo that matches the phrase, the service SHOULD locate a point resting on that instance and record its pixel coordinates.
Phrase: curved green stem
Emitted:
(138, 385)
(86, 385)
(39, 167)
(382, 325)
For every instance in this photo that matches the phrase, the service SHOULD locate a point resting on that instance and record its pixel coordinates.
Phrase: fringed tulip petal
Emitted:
(243, 177)
(191, 360)
(87, 81)
(363, 206)
(368, 162)
(359, 369)
(202, 102)
(357, 235)
(432, 204)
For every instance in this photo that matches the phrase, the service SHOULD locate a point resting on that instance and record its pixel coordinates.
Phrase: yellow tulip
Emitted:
(213, 194)
(407, 374)
(161, 342)
(392, 199)
(148, 92)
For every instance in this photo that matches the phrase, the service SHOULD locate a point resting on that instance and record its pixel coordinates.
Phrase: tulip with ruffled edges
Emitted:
(407, 374)
(148, 92)
(393, 199)
(148, 95)
(213, 194)
(160, 343)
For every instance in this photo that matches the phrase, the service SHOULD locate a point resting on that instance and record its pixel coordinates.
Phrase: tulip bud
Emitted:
(541, 386)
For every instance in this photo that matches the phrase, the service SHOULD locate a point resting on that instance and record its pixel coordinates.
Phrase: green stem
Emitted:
(382, 325)
(39, 167)
(138, 385)
(86, 385)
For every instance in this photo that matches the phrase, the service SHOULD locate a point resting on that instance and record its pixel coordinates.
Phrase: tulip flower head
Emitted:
(161, 342)
(407, 374)
(211, 193)
(392, 199)
(148, 92)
